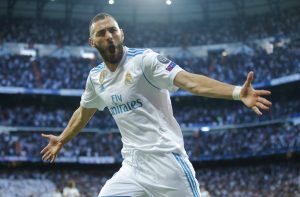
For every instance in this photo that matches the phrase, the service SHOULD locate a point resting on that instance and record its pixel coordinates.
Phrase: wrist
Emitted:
(236, 93)
(60, 140)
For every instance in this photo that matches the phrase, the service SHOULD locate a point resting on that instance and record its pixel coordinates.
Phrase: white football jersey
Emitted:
(137, 96)
(70, 192)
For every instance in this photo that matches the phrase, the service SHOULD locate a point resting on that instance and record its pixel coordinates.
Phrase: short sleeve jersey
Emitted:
(70, 192)
(137, 96)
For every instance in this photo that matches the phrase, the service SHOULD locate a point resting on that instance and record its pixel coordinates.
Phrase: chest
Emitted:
(121, 87)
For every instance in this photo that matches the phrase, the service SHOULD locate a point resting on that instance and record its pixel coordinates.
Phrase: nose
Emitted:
(108, 35)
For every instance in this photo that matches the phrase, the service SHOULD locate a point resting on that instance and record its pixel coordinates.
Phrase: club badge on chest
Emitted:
(128, 78)
(101, 80)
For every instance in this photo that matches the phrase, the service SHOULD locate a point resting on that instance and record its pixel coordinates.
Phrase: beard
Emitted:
(112, 54)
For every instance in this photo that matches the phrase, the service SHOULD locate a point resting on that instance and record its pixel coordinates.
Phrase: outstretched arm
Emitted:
(205, 86)
(78, 121)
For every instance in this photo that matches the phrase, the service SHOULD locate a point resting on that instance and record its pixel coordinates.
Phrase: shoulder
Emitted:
(141, 56)
(94, 72)
(97, 69)
(133, 52)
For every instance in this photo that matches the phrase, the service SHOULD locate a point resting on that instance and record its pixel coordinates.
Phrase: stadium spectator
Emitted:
(27, 30)
(60, 51)
(70, 73)
(204, 192)
(71, 190)
(279, 179)
(249, 142)
(4, 52)
(55, 193)
(187, 111)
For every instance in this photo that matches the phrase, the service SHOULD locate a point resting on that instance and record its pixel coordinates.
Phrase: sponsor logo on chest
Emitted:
(119, 106)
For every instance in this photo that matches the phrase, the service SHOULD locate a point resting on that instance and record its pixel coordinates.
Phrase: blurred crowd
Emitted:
(89, 144)
(188, 114)
(224, 144)
(234, 68)
(47, 72)
(243, 142)
(190, 33)
(26, 187)
(88, 183)
(197, 113)
(272, 180)
(41, 116)
(71, 73)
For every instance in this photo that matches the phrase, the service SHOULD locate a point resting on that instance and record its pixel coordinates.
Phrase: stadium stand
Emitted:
(71, 73)
(154, 34)
(280, 179)
(235, 153)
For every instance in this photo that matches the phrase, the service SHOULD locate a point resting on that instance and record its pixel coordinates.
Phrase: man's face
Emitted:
(107, 38)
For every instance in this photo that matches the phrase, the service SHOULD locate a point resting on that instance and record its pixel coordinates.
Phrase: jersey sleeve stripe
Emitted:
(148, 80)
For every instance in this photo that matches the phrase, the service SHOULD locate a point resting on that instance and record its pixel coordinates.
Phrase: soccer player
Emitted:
(134, 84)
(71, 190)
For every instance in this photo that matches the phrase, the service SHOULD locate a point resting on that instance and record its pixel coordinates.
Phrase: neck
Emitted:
(111, 67)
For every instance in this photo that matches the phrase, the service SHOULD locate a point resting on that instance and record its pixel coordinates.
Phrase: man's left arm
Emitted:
(207, 87)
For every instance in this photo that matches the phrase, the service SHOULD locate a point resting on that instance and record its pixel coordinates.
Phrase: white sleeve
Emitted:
(160, 71)
(77, 192)
(65, 192)
(89, 98)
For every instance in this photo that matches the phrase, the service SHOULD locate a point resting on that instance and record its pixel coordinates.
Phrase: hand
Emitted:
(253, 98)
(49, 153)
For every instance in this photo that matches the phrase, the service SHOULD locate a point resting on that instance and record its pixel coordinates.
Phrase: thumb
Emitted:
(249, 79)
(46, 136)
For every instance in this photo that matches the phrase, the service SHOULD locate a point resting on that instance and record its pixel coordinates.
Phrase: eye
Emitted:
(112, 29)
(100, 33)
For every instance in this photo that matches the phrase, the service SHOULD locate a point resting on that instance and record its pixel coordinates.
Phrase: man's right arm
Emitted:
(90, 102)
(78, 121)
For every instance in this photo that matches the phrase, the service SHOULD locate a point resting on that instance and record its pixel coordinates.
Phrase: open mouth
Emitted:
(112, 49)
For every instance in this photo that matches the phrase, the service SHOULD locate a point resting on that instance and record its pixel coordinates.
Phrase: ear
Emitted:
(91, 42)
(122, 35)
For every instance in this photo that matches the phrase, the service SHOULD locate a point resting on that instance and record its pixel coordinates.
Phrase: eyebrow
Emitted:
(112, 27)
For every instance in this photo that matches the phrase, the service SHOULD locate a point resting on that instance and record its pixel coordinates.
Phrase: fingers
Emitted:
(256, 110)
(264, 101)
(261, 103)
(53, 158)
(252, 98)
(49, 157)
(44, 150)
(46, 136)
(49, 153)
(46, 156)
(262, 92)
(249, 79)
(261, 106)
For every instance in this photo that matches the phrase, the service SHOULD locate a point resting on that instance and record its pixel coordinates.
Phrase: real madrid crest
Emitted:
(101, 80)
(128, 78)
(102, 76)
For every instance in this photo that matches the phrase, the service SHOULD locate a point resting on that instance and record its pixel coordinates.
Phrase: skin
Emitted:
(107, 38)
(204, 86)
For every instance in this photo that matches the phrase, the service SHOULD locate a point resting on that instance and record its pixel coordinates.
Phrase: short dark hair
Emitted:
(98, 17)
(71, 183)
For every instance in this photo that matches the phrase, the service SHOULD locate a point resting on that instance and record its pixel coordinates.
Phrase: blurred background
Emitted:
(45, 59)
